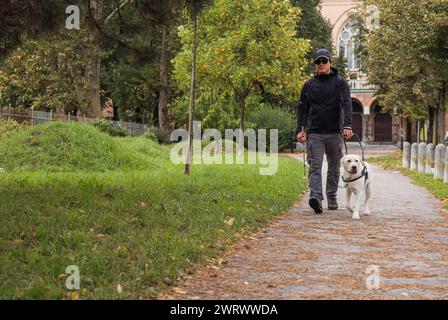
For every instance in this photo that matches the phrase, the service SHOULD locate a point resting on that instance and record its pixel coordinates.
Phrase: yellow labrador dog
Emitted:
(357, 177)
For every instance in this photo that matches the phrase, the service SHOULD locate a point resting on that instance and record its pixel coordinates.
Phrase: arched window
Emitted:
(347, 43)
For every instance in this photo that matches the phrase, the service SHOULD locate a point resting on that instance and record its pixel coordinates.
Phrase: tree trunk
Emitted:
(163, 95)
(431, 124)
(441, 115)
(436, 126)
(93, 76)
(242, 111)
(93, 68)
(192, 96)
(61, 65)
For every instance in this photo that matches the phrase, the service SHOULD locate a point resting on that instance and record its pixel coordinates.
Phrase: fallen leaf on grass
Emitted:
(74, 295)
(119, 289)
(62, 276)
(142, 205)
(229, 222)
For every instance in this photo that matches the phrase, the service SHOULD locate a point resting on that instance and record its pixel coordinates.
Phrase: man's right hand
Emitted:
(301, 137)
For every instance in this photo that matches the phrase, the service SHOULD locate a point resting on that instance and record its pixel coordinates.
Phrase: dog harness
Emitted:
(364, 173)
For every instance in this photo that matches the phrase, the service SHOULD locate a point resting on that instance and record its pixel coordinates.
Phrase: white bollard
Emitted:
(414, 153)
(445, 174)
(430, 153)
(439, 163)
(421, 157)
(406, 155)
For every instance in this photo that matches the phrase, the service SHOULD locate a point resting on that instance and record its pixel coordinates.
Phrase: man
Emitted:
(326, 112)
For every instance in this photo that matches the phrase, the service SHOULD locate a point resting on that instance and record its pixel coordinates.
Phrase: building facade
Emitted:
(369, 123)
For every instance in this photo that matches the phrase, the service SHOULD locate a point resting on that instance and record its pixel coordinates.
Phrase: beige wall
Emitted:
(337, 12)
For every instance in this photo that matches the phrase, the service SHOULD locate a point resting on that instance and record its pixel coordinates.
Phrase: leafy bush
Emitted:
(150, 135)
(7, 127)
(109, 128)
(162, 135)
(265, 117)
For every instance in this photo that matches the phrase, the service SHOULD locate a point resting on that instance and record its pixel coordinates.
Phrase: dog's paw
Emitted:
(356, 217)
(367, 211)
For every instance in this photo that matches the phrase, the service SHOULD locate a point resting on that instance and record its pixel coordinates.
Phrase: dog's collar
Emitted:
(364, 173)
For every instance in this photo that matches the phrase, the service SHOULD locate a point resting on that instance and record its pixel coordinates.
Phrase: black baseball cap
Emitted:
(322, 53)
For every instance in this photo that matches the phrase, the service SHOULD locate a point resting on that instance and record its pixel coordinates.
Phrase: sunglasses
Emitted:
(321, 61)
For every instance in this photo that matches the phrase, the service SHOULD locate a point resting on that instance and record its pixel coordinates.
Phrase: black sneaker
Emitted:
(316, 204)
(332, 203)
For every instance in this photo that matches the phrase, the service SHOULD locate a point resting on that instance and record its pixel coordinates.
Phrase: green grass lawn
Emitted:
(394, 162)
(129, 218)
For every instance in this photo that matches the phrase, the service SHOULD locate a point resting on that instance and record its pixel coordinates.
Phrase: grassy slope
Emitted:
(136, 228)
(62, 147)
(394, 162)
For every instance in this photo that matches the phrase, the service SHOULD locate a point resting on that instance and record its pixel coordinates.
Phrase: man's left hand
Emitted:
(347, 133)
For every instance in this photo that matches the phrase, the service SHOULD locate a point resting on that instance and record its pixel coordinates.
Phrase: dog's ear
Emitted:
(342, 160)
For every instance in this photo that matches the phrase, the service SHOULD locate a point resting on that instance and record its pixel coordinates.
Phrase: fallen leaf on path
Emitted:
(178, 290)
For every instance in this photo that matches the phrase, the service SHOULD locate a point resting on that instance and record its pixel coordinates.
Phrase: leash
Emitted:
(360, 144)
(305, 150)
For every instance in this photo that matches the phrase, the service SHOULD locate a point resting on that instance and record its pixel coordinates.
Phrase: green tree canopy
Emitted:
(244, 45)
(406, 56)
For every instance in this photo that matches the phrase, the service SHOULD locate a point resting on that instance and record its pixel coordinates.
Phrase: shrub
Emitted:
(162, 135)
(7, 127)
(109, 128)
(149, 134)
(265, 117)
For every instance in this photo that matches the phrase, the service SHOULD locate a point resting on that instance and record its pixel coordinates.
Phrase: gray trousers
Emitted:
(317, 144)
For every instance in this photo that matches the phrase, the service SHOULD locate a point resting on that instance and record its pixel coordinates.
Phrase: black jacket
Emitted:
(325, 104)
